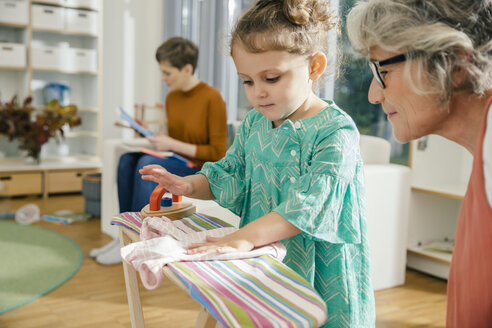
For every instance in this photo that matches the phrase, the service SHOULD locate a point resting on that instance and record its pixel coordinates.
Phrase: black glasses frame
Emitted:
(376, 65)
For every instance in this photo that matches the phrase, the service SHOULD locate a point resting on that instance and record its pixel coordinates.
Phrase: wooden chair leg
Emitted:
(132, 292)
(205, 320)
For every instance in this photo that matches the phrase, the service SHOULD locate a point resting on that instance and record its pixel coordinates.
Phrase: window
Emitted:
(351, 94)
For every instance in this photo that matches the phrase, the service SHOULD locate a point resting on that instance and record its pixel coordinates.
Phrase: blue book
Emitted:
(140, 129)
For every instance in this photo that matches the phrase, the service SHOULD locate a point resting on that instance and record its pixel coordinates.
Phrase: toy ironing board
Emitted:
(261, 292)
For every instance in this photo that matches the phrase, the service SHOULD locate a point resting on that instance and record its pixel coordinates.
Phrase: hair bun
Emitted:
(310, 12)
(298, 11)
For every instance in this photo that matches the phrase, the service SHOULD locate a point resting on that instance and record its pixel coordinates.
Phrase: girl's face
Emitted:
(277, 83)
(174, 78)
(412, 115)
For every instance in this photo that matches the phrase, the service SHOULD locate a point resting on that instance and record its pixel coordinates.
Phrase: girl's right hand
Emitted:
(172, 183)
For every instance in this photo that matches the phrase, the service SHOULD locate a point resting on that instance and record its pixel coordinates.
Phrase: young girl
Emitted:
(294, 172)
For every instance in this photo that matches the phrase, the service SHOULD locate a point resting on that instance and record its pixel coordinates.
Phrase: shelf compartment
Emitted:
(13, 68)
(453, 192)
(431, 262)
(64, 32)
(63, 71)
(77, 134)
(13, 25)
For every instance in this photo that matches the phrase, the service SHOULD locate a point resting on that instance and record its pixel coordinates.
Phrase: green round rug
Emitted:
(33, 262)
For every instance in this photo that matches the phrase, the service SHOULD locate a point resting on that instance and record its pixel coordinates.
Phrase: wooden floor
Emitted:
(96, 297)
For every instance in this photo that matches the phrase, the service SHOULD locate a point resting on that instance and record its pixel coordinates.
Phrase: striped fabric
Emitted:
(255, 292)
(258, 292)
(194, 222)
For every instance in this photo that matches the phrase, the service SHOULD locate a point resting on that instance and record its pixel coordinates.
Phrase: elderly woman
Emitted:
(432, 66)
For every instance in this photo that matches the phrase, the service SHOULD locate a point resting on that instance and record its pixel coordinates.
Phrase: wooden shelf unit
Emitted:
(440, 173)
(58, 171)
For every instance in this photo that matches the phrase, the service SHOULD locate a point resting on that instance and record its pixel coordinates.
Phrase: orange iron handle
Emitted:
(155, 198)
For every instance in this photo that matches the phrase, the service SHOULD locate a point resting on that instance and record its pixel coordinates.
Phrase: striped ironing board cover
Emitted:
(255, 292)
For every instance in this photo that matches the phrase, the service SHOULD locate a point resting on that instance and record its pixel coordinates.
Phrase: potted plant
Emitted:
(33, 127)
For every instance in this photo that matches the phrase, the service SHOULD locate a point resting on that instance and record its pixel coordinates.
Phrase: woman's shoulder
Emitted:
(203, 87)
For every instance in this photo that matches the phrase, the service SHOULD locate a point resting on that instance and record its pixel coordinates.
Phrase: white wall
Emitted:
(132, 31)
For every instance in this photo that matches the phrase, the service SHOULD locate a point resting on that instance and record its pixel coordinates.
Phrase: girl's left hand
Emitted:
(227, 244)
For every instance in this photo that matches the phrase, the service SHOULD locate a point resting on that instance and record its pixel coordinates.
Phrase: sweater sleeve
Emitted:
(217, 130)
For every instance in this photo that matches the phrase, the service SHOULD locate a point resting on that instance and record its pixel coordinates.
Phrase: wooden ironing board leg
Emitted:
(205, 320)
(132, 292)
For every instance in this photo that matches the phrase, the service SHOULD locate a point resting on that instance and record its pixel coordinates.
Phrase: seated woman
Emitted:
(197, 128)
(197, 125)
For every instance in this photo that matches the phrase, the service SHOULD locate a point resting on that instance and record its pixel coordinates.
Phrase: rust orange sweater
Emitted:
(198, 117)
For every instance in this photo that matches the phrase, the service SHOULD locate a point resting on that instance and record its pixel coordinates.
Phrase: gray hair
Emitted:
(447, 35)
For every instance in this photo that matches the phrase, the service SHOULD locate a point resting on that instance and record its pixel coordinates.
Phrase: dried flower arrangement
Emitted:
(34, 126)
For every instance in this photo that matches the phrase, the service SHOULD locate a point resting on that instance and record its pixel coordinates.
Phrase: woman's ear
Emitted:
(459, 76)
(317, 65)
(188, 69)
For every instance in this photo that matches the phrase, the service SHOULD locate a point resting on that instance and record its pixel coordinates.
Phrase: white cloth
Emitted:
(164, 241)
(487, 157)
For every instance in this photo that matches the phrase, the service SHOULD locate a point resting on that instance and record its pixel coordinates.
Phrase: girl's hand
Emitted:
(162, 143)
(174, 184)
(227, 244)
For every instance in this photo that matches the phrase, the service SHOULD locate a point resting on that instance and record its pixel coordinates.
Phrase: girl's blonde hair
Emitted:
(446, 35)
(296, 26)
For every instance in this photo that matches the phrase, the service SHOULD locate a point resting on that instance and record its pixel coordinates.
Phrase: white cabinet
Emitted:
(60, 45)
(440, 173)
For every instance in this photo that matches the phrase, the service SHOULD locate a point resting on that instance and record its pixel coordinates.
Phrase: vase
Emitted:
(32, 160)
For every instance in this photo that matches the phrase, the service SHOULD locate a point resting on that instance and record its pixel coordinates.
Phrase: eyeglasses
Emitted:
(376, 66)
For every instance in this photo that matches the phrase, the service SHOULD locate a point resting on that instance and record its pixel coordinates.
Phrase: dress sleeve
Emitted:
(327, 202)
(226, 177)
(216, 129)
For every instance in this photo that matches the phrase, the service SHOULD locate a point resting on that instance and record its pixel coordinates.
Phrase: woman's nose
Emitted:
(375, 94)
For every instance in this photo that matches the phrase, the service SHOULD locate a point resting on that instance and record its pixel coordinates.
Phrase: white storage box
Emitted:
(81, 60)
(48, 58)
(48, 17)
(14, 11)
(90, 4)
(81, 21)
(12, 54)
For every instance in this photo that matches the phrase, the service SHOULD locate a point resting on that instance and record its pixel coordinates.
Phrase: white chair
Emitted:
(388, 195)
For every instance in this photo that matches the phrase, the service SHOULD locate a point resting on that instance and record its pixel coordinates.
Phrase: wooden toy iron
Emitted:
(177, 210)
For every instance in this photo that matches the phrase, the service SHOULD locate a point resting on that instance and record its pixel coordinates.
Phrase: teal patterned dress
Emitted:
(309, 172)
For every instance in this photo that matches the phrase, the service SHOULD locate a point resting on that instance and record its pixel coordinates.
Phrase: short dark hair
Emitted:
(178, 52)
